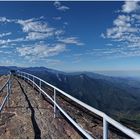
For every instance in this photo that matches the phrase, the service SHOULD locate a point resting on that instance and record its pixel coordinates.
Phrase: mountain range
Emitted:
(115, 96)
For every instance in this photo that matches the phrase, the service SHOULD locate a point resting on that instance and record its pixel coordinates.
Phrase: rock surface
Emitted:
(30, 115)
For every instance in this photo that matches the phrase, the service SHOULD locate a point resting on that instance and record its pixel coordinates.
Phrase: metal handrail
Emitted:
(106, 118)
(5, 84)
(61, 110)
(8, 85)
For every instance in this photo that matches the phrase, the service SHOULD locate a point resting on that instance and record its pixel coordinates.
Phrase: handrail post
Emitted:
(105, 128)
(24, 81)
(8, 89)
(33, 81)
(54, 102)
(40, 87)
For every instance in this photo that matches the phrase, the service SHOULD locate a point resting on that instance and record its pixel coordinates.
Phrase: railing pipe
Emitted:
(5, 84)
(7, 95)
(64, 113)
(106, 118)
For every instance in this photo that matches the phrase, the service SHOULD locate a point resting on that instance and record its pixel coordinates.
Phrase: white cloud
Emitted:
(136, 16)
(40, 51)
(124, 29)
(60, 7)
(125, 32)
(122, 26)
(5, 20)
(63, 8)
(5, 42)
(130, 6)
(103, 35)
(5, 34)
(70, 40)
(34, 26)
(122, 20)
(38, 35)
(36, 30)
(58, 33)
(109, 44)
(57, 4)
(4, 46)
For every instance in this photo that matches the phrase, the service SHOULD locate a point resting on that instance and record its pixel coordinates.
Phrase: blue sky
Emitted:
(71, 36)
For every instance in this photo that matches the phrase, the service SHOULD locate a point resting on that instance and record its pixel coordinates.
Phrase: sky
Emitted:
(70, 35)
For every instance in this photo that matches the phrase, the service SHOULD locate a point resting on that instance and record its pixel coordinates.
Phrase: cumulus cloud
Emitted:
(38, 30)
(122, 28)
(71, 40)
(40, 51)
(5, 42)
(57, 4)
(125, 31)
(125, 28)
(5, 34)
(36, 34)
(5, 20)
(34, 26)
(130, 6)
(59, 32)
(63, 8)
(60, 7)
